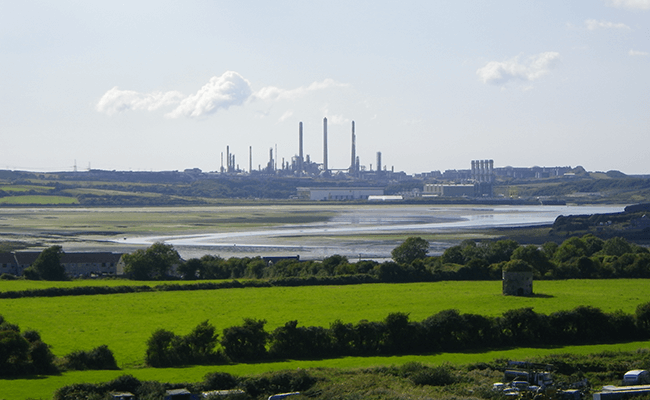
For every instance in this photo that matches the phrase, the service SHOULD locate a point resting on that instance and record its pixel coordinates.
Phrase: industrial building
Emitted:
(338, 193)
(446, 190)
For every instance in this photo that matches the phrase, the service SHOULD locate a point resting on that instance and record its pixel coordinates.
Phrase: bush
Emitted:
(98, 358)
(219, 381)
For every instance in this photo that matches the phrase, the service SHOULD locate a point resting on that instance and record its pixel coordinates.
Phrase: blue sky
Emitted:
(159, 85)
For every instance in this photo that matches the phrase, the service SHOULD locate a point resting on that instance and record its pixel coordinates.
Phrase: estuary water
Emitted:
(347, 232)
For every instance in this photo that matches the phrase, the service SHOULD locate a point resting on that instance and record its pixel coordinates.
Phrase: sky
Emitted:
(167, 85)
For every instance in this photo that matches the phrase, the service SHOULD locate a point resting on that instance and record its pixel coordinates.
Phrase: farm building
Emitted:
(517, 283)
(75, 264)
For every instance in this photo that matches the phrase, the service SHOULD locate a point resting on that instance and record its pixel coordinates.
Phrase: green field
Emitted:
(23, 284)
(25, 188)
(39, 200)
(125, 321)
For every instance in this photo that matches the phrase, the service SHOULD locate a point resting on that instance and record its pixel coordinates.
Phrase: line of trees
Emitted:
(586, 257)
(577, 258)
(25, 353)
(445, 331)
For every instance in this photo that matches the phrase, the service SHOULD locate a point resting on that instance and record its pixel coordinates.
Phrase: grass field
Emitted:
(38, 199)
(125, 321)
(18, 285)
(25, 188)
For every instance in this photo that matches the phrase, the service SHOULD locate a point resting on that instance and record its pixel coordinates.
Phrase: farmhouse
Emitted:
(86, 264)
(75, 264)
(7, 263)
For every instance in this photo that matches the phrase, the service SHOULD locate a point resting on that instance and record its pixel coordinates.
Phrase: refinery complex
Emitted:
(302, 165)
(477, 181)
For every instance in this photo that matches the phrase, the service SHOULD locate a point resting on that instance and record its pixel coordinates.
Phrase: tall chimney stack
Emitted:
(227, 158)
(353, 160)
(325, 166)
(300, 154)
(379, 161)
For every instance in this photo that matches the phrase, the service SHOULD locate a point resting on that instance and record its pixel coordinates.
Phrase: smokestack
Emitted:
(474, 169)
(491, 172)
(325, 166)
(353, 160)
(379, 161)
(250, 159)
(227, 158)
(300, 159)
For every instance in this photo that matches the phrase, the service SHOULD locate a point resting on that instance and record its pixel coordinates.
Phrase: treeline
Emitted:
(168, 287)
(446, 331)
(24, 353)
(586, 257)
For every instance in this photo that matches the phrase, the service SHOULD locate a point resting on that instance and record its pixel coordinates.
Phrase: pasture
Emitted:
(125, 321)
(38, 199)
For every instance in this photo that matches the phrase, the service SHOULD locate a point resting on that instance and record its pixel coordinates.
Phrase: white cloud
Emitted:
(337, 119)
(592, 24)
(631, 4)
(116, 100)
(275, 93)
(220, 93)
(532, 68)
(638, 53)
(229, 89)
(285, 116)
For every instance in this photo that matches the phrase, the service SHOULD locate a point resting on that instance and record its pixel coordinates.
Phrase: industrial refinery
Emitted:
(302, 165)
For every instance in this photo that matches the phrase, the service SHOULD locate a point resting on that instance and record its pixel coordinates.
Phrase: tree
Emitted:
(616, 246)
(246, 342)
(160, 349)
(190, 269)
(453, 255)
(412, 249)
(153, 263)
(643, 318)
(499, 251)
(13, 352)
(533, 256)
(48, 266)
(202, 342)
(399, 333)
